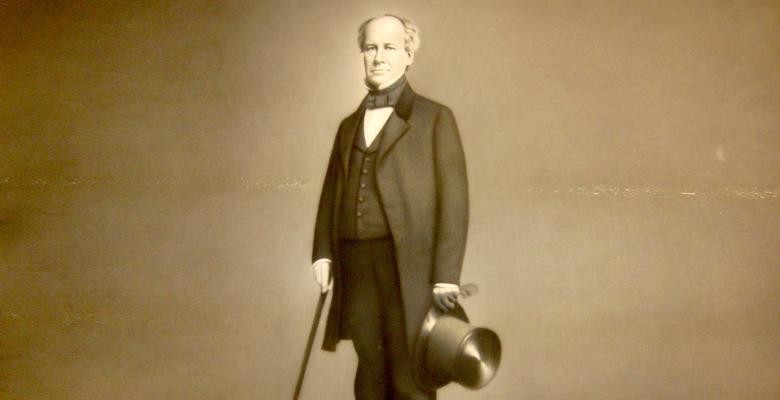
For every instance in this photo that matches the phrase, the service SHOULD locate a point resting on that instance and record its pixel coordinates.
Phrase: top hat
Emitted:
(449, 349)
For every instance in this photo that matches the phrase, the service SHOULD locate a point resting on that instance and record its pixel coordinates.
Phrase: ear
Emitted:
(411, 57)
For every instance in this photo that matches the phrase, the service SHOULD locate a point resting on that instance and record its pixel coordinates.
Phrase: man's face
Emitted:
(384, 56)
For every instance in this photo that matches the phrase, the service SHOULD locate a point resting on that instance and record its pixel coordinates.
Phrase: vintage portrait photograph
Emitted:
(452, 200)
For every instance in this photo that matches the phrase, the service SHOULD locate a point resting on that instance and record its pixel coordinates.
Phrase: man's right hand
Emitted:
(321, 271)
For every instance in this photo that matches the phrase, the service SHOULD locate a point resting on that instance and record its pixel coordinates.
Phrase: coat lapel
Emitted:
(394, 129)
(397, 125)
(348, 136)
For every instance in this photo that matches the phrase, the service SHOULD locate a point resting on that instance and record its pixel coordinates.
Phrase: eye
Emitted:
(389, 47)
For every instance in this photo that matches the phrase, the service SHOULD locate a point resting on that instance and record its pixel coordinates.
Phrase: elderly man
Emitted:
(391, 226)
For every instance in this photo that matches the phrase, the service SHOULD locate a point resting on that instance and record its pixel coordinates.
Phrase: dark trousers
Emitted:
(374, 317)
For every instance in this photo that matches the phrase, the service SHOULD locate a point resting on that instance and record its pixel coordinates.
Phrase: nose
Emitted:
(379, 57)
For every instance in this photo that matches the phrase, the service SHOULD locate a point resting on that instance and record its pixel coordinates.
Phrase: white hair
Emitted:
(411, 37)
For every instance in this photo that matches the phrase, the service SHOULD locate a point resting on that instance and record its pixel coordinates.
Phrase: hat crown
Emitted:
(450, 349)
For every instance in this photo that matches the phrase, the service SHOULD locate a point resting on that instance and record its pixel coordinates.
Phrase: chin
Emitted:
(376, 80)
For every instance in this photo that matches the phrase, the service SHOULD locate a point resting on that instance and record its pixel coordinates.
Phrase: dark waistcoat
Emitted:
(361, 214)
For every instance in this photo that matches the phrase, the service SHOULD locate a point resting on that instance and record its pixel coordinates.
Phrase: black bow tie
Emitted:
(387, 97)
(378, 101)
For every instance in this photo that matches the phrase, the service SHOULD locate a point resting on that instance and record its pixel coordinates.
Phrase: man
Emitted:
(391, 226)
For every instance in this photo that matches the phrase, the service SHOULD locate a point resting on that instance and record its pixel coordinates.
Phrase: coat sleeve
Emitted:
(323, 228)
(452, 203)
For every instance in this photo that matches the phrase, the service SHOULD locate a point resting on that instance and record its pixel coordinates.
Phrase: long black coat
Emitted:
(421, 179)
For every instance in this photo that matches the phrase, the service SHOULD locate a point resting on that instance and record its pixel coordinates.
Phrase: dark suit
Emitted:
(420, 174)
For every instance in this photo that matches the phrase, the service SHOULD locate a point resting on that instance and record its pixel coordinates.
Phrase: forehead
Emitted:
(385, 30)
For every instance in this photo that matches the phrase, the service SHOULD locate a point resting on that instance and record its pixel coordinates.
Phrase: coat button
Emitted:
(365, 171)
(362, 185)
(361, 199)
(359, 214)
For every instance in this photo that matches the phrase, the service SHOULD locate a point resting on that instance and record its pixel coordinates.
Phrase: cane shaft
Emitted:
(309, 343)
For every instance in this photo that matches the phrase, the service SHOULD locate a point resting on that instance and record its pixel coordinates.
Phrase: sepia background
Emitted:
(160, 164)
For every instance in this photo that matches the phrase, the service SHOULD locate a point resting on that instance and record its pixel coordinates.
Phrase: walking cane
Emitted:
(312, 333)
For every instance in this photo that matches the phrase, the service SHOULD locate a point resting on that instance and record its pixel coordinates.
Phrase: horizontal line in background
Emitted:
(594, 190)
(753, 193)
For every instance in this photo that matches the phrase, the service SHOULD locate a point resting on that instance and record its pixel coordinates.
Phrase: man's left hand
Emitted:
(445, 296)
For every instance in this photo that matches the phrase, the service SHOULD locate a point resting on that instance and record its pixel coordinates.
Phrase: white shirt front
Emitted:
(375, 119)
